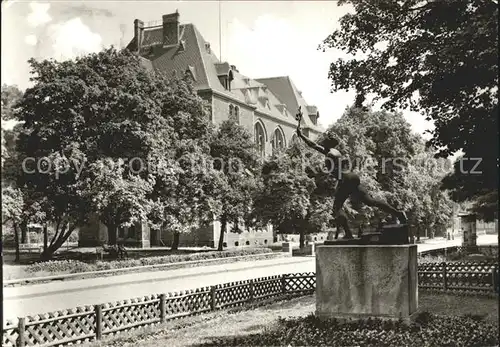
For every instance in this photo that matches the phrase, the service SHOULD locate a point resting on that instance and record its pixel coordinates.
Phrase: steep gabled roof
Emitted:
(284, 88)
(193, 55)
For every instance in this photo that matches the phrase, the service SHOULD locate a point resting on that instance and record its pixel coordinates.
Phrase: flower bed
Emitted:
(75, 266)
(428, 330)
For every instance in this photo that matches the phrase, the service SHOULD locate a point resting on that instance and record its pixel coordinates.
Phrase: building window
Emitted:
(234, 114)
(260, 138)
(237, 114)
(121, 232)
(294, 139)
(131, 232)
(278, 140)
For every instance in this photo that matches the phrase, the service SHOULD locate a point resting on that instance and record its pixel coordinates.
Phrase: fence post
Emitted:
(98, 321)
(251, 290)
(494, 278)
(163, 299)
(445, 284)
(21, 327)
(213, 303)
(283, 284)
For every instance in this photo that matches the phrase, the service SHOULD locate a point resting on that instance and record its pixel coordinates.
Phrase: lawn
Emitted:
(262, 325)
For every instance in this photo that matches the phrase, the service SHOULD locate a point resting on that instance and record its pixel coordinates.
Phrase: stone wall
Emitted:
(220, 112)
(209, 236)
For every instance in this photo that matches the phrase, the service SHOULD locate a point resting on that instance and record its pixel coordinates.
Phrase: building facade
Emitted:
(266, 107)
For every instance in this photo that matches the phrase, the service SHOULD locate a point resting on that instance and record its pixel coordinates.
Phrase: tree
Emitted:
(121, 199)
(436, 57)
(430, 207)
(113, 134)
(296, 194)
(12, 209)
(378, 145)
(10, 96)
(187, 192)
(394, 166)
(235, 156)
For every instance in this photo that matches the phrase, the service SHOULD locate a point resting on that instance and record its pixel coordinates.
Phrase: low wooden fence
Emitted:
(459, 276)
(85, 324)
(487, 250)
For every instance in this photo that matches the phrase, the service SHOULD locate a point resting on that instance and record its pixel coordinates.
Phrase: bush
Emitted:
(428, 330)
(75, 266)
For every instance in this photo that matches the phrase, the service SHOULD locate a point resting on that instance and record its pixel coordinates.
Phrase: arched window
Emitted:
(260, 138)
(231, 108)
(294, 139)
(278, 140)
(237, 114)
(131, 231)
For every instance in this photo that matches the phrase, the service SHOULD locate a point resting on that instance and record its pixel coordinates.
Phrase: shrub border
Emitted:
(179, 264)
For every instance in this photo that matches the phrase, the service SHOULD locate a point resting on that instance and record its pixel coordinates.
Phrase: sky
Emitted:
(262, 39)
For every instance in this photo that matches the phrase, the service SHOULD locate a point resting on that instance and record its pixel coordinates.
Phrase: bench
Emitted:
(28, 248)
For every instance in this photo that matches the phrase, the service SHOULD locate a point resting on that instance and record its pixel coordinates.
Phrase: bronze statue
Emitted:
(348, 183)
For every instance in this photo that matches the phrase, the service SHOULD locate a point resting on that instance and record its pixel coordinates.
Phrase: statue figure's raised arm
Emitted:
(310, 143)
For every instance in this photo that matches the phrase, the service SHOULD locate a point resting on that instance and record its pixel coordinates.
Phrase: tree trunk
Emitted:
(57, 243)
(111, 233)
(175, 241)
(16, 241)
(302, 238)
(418, 234)
(45, 238)
(24, 232)
(223, 227)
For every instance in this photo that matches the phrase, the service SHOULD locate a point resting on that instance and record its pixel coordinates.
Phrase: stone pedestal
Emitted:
(361, 281)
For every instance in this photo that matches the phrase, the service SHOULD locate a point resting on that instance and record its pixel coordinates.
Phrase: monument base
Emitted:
(392, 234)
(362, 281)
(345, 318)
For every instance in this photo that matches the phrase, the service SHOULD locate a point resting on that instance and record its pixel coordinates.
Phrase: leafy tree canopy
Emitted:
(118, 139)
(235, 157)
(436, 57)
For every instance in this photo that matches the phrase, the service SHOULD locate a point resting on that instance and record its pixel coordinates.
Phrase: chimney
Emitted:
(171, 29)
(233, 67)
(138, 33)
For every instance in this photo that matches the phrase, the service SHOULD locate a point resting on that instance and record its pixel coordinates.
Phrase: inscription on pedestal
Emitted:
(361, 281)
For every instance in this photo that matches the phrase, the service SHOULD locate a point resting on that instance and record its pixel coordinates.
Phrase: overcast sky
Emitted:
(263, 39)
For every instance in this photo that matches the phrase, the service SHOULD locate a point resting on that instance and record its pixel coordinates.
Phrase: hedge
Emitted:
(75, 266)
(428, 330)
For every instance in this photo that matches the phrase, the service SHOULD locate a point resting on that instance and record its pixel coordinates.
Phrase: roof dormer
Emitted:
(191, 71)
(225, 74)
(313, 113)
(281, 108)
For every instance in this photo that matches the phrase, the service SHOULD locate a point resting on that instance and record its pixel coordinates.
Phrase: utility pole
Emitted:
(220, 33)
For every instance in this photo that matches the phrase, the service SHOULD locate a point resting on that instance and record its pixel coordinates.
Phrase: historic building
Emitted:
(264, 106)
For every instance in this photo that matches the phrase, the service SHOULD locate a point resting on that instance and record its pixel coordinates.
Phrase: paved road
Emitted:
(46, 297)
(58, 295)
